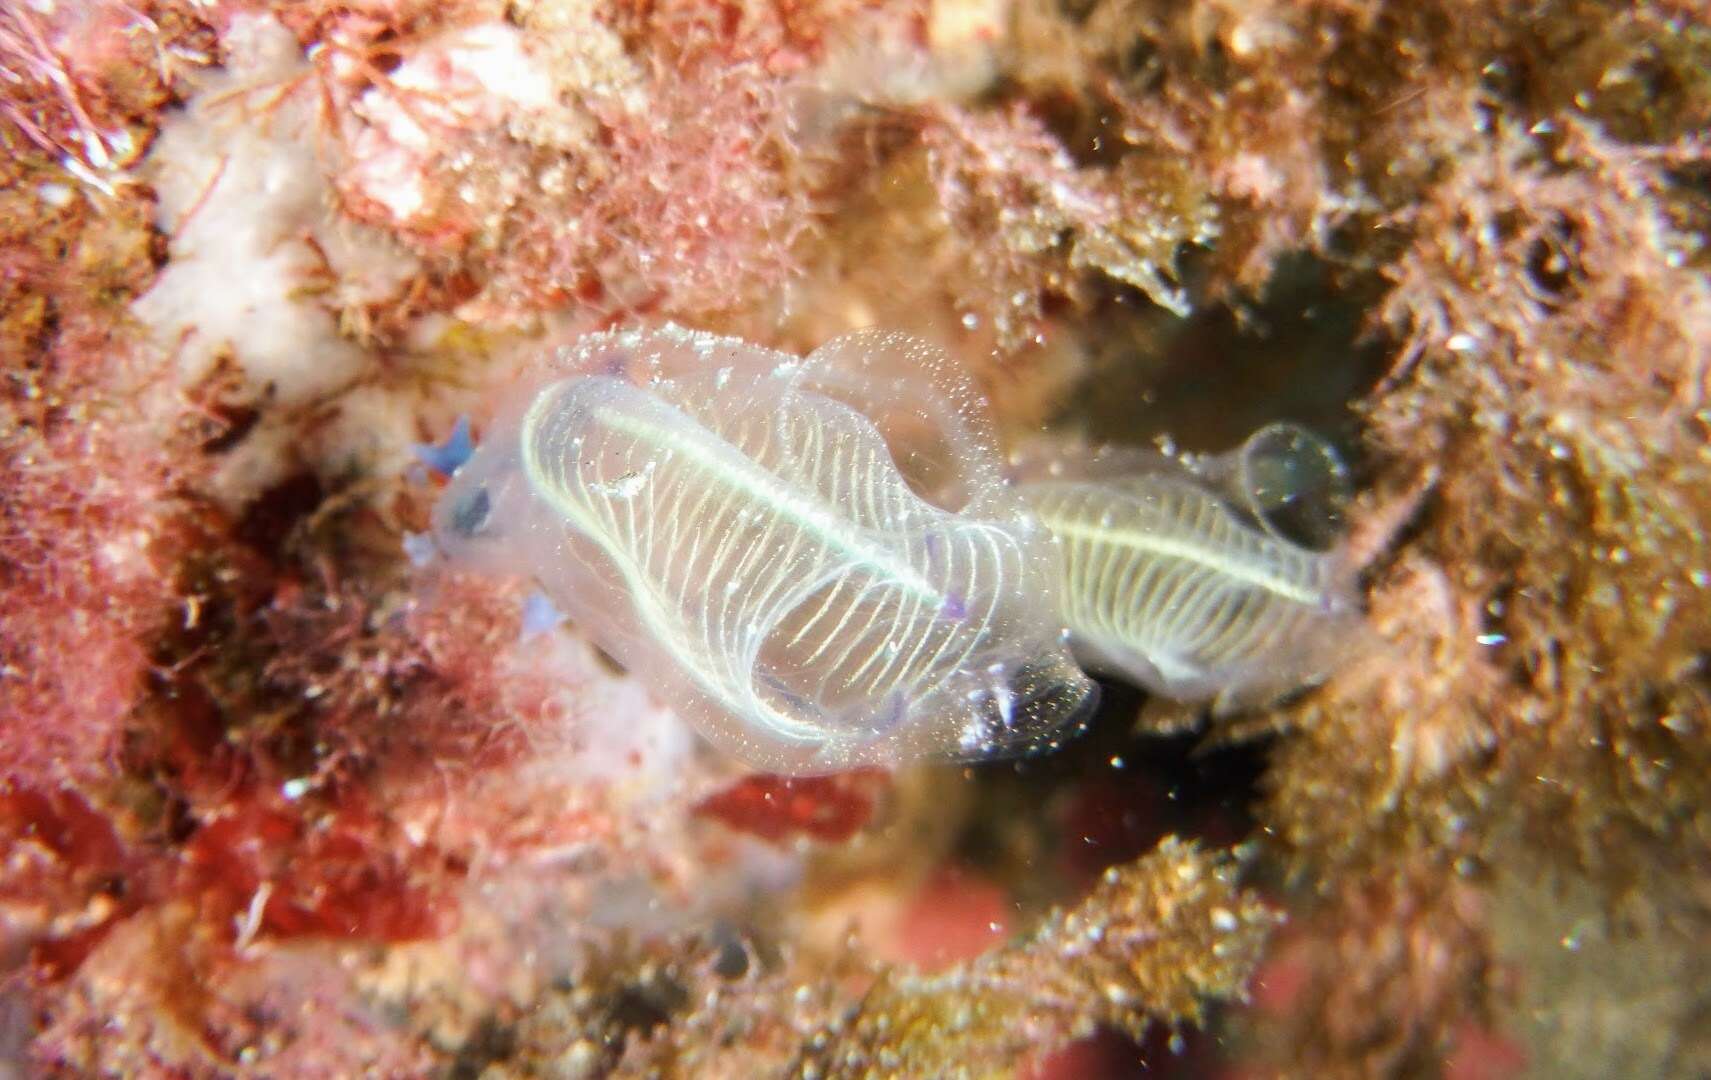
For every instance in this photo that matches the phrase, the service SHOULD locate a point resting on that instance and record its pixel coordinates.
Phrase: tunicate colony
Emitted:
(822, 563)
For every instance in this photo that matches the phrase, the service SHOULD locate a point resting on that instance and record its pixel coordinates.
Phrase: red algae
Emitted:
(653, 146)
(80, 582)
(276, 871)
(69, 878)
(827, 809)
(87, 518)
(86, 79)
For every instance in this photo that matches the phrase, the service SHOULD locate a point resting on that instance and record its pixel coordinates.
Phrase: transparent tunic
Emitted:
(817, 561)
(1222, 578)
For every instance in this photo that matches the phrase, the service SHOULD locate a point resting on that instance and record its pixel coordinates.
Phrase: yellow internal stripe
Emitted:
(1170, 547)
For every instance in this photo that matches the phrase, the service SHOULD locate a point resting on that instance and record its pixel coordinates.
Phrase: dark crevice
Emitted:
(1302, 351)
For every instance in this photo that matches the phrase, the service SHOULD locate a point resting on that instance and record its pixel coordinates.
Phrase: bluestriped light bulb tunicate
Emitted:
(817, 561)
(1201, 580)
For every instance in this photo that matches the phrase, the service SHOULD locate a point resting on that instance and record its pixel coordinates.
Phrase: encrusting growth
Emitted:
(1154, 942)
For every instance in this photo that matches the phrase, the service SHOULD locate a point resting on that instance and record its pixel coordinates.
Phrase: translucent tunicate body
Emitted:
(817, 561)
(1180, 577)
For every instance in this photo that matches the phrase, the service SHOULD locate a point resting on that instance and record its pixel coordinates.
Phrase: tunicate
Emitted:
(816, 560)
(1204, 579)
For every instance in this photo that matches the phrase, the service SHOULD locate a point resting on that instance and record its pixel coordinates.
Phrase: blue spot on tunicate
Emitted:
(447, 457)
(419, 548)
(539, 615)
